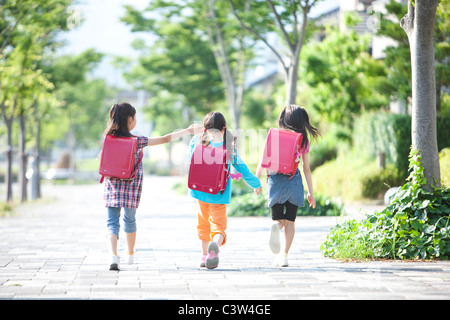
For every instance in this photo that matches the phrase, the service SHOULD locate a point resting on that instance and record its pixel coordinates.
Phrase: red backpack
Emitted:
(209, 170)
(281, 151)
(118, 157)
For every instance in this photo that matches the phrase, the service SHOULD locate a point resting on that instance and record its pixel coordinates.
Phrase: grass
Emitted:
(6, 209)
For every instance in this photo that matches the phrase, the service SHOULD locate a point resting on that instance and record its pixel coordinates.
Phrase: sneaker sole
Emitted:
(212, 260)
(274, 241)
(114, 267)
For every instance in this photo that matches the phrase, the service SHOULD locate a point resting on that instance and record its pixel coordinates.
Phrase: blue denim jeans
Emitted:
(129, 220)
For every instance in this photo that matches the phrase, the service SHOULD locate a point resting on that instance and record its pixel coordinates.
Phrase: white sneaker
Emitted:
(130, 258)
(114, 265)
(281, 261)
(284, 262)
(274, 241)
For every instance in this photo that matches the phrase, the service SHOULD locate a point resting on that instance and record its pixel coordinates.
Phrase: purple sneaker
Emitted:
(212, 259)
(203, 261)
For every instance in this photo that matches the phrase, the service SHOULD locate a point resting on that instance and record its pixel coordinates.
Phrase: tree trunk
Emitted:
(233, 80)
(418, 24)
(36, 182)
(23, 157)
(9, 154)
(291, 83)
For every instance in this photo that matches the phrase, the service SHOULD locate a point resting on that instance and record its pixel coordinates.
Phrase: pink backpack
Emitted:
(209, 170)
(118, 157)
(281, 151)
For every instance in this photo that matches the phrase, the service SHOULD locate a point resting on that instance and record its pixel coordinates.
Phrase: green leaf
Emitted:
(400, 215)
(429, 229)
(420, 215)
(416, 224)
(424, 204)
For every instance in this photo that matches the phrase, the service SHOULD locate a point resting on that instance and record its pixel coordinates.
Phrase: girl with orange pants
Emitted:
(212, 214)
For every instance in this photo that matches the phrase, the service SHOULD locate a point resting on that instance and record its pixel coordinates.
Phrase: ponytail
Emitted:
(230, 142)
(296, 118)
(216, 121)
(118, 120)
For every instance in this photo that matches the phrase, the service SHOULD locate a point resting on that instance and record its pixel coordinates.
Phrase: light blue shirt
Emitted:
(240, 167)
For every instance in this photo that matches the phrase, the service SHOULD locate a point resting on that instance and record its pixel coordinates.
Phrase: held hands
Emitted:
(257, 191)
(195, 128)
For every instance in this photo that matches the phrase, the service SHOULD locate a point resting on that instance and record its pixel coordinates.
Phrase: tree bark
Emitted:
(233, 81)
(9, 153)
(36, 182)
(418, 24)
(23, 158)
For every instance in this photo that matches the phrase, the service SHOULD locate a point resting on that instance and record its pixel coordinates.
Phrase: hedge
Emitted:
(391, 133)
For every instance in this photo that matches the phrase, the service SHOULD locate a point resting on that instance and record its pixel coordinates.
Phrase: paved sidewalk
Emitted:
(56, 249)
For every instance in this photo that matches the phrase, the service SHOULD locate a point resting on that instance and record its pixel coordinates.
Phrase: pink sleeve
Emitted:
(304, 150)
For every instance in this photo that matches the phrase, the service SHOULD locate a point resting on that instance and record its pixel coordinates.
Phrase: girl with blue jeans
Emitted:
(126, 194)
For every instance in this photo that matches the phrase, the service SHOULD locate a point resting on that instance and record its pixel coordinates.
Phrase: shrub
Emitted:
(444, 161)
(375, 183)
(391, 133)
(6, 209)
(443, 130)
(325, 206)
(252, 205)
(323, 152)
(342, 177)
(248, 204)
(239, 188)
(415, 226)
(384, 132)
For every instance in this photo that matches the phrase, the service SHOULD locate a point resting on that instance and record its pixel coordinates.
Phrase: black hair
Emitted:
(296, 118)
(118, 119)
(216, 121)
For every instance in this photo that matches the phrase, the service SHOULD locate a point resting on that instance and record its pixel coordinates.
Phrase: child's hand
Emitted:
(258, 191)
(195, 128)
(311, 200)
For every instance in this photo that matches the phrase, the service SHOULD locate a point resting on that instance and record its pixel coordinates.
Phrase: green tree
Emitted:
(341, 77)
(82, 100)
(418, 24)
(27, 29)
(397, 57)
(290, 20)
(180, 62)
(199, 53)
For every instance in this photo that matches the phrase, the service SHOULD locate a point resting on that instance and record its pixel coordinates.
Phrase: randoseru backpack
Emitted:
(209, 170)
(281, 151)
(117, 158)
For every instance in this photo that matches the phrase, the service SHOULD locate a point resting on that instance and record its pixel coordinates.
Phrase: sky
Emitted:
(103, 30)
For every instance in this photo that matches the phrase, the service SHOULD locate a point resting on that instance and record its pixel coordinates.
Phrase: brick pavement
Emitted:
(55, 249)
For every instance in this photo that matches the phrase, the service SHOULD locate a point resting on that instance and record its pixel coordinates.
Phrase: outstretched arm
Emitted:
(172, 136)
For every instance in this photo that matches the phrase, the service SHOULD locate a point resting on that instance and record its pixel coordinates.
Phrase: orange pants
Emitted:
(212, 220)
